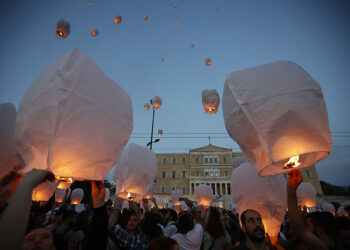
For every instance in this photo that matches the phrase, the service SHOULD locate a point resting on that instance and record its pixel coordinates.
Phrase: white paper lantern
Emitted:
(160, 132)
(44, 191)
(60, 193)
(237, 161)
(267, 195)
(160, 203)
(329, 207)
(64, 184)
(306, 195)
(135, 172)
(73, 120)
(175, 196)
(208, 61)
(170, 204)
(156, 102)
(184, 206)
(210, 100)
(76, 196)
(62, 28)
(125, 205)
(9, 157)
(107, 194)
(150, 192)
(345, 204)
(146, 106)
(204, 194)
(274, 112)
(117, 19)
(94, 32)
(341, 211)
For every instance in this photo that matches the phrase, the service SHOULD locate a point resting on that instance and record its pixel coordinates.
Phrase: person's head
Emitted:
(163, 243)
(252, 225)
(40, 238)
(132, 224)
(149, 227)
(343, 236)
(321, 222)
(213, 223)
(171, 215)
(185, 222)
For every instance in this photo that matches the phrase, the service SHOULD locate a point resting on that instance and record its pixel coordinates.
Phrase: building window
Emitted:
(183, 160)
(211, 172)
(308, 173)
(173, 188)
(174, 174)
(226, 173)
(211, 160)
(164, 161)
(206, 159)
(183, 189)
(163, 189)
(197, 173)
(163, 174)
(228, 188)
(216, 159)
(206, 173)
(197, 160)
(225, 160)
(183, 174)
(174, 160)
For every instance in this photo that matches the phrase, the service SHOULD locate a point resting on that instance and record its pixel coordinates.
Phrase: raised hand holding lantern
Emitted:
(62, 28)
(276, 113)
(135, 172)
(306, 195)
(267, 195)
(204, 194)
(73, 120)
(210, 100)
(76, 196)
(175, 196)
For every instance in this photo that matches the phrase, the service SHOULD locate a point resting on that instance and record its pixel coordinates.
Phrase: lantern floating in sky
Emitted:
(175, 196)
(162, 59)
(204, 194)
(62, 28)
(267, 195)
(146, 106)
(217, 9)
(135, 172)
(176, 20)
(160, 132)
(90, 3)
(237, 161)
(44, 191)
(156, 102)
(179, 25)
(210, 100)
(181, 2)
(306, 195)
(192, 46)
(160, 203)
(276, 113)
(60, 193)
(62, 132)
(117, 19)
(76, 196)
(94, 32)
(208, 62)
(9, 156)
(145, 17)
(175, 5)
(329, 207)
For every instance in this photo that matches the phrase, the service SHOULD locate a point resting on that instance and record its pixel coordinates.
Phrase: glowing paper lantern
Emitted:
(175, 196)
(204, 194)
(267, 195)
(329, 207)
(65, 184)
(135, 172)
(117, 19)
(107, 194)
(90, 3)
(145, 17)
(150, 192)
(179, 25)
(210, 100)
(76, 196)
(192, 46)
(275, 112)
(184, 206)
(175, 5)
(170, 204)
(208, 62)
(237, 161)
(306, 195)
(156, 102)
(9, 156)
(176, 20)
(160, 203)
(62, 28)
(217, 9)
(94, 32)
(162, 59)
(341, 211)
(146, 106)
(73, 120)
(60, 193)
(44, 191)
(160, 132)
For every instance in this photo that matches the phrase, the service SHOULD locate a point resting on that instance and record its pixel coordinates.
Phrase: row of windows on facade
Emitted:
(163, 189)
(207, 159)
(218, 188)
(207, 172)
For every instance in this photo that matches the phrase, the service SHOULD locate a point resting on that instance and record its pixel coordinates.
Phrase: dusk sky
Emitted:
(239, 34)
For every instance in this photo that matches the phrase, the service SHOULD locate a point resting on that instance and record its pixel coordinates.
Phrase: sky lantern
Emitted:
(175, 5)
(306, 195)
(65, 183)
(145, 17)
(62, 28)
(90, 3)
(181, 2)
(192, 46)
(150, 192)
(160, 132)
(329, 207)
(341, 211)
(94, 32)
(107, 194)
(146, 106)
(217, 9)
(179, 25)
(44, 191)
(117, 19)
(162, 59)
(208, 61)
(59, 121)
(176, 20)
(267, 195)
(9, 157)
(175, 196)
(184, 206)
(160, 203)
(60, 193)
(237, 161)
(204, 194)
(277, 114)
(210, 100)
(76, 196)
(156, 102)
(135, 172)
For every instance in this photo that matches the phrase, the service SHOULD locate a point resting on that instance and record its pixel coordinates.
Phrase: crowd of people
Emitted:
(30, 225)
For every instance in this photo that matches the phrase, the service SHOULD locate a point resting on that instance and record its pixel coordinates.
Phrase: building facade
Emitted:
(210, 165)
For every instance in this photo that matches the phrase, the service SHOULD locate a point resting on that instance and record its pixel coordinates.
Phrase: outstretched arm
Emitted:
(195, 212)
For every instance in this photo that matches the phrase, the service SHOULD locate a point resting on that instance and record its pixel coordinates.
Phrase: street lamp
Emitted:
(156, 102)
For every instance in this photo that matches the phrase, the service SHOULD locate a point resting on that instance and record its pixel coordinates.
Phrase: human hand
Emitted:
(36, 177)
(145, 205)
(118, 202)
(294, 180)
(98, 194)
(188, 202)
(8, 184)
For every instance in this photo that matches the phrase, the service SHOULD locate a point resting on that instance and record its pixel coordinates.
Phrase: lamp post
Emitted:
(156, 102)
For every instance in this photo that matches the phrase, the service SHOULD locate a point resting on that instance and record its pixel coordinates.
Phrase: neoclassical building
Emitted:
(210, 165)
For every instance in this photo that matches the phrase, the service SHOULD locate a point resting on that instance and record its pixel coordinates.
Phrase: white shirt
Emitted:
(170, 229)
(190, 241)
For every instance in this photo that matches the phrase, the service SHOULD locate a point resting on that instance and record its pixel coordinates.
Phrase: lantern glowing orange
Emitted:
(64, 183)
(60, 193)
(162, 59)
(192, 46)
(179, 25)
(160, 203)
(176, 20)
(204, 194)
(146, 106)
(175, 5)
(94, 32)
(44, 191)
(160, 132)
(62, 28)
(277, 114)
(156, 102)
(210, 100)
(175, 196)
(145, 17)
(208, 62)
(217, 9)
(329, 207)
(90, 3)
(76, 196)
(117, 19)
(306, 195)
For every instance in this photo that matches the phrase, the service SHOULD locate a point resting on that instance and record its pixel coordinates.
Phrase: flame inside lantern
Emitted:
(293, 162)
